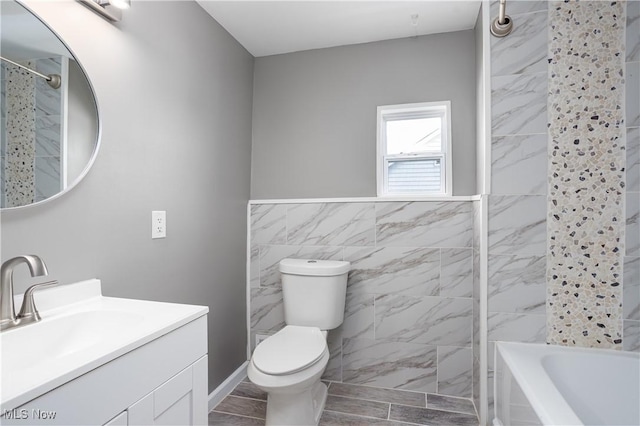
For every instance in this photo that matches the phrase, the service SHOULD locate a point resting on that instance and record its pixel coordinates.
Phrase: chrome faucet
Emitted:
(28, 312)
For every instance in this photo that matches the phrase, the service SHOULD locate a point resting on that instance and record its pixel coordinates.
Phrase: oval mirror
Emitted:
(49, 128)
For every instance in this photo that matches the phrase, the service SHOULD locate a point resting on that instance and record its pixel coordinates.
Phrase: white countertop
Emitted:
(80, 330)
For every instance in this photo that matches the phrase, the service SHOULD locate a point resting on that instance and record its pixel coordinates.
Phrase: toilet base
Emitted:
(299, 408)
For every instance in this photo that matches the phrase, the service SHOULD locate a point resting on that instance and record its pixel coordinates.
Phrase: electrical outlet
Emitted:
(158, 224)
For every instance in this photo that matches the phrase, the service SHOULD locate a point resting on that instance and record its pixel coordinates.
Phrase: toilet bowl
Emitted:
(288, 366)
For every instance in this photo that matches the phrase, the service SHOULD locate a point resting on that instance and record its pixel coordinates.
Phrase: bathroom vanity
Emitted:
(95, 360)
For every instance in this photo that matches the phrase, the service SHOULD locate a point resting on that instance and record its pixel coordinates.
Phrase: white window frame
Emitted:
(408, 111)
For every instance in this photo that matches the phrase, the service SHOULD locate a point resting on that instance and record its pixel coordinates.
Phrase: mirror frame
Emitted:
(98, 141)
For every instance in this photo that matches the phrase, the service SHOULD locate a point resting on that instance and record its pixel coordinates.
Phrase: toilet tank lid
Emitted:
(313, 267)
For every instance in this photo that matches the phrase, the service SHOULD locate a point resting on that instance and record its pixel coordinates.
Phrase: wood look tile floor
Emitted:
(354, 405)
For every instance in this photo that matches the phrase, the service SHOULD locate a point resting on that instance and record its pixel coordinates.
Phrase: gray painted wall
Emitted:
(314, 112)
(175, 92)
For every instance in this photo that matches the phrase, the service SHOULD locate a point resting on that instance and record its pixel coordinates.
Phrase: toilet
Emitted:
(289, 364)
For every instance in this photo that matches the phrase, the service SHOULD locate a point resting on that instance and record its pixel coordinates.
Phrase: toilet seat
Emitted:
(290, 350)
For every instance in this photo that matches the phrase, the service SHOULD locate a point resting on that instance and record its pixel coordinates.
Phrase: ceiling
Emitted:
(273, 27)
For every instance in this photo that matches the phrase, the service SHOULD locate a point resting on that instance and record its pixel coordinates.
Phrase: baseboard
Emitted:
(227, 386)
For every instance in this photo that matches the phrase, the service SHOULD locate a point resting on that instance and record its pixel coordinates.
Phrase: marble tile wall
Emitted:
(48, 131)
(476, 295)
(408, 319)
(631, 261)
(525, 172)
(517, 204)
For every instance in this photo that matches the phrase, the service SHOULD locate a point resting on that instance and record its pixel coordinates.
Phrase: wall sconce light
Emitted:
(110, 9)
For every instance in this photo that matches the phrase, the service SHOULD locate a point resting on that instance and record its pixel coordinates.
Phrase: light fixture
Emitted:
(120, 4)
(110, 9)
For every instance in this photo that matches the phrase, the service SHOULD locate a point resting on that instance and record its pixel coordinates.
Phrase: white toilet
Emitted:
(289, 364)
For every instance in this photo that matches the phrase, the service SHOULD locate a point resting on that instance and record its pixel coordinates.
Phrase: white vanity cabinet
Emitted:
(163, 382)
(182, 400)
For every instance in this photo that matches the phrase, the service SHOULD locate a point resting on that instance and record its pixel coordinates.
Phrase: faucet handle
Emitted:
(29, 312)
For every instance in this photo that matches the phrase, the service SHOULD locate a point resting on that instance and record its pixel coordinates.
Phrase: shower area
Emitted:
(559, 173)
(33, 129)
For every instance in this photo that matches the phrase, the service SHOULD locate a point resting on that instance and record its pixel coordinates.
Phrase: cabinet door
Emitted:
(178, 401)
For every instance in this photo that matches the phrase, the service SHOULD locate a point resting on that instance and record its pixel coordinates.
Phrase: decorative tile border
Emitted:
(585, 226)
(21, 134)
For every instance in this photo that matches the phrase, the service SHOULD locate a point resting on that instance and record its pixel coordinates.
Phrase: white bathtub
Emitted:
(538, 384)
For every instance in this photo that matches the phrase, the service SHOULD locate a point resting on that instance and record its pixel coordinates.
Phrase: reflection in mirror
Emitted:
(48, 136)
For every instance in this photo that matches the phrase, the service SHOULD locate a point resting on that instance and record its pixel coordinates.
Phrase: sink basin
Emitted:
(57, 338)
(80, 330)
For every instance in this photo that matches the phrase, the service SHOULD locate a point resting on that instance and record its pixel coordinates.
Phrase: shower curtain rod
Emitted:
(53, 80)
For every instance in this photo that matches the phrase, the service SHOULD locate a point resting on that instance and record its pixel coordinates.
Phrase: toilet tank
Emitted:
(314, 292)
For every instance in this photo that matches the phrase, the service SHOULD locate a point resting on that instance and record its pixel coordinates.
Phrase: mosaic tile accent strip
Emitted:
(585, 226)
(21, 133)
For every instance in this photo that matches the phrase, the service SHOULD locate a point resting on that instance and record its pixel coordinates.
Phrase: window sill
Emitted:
(452, 198)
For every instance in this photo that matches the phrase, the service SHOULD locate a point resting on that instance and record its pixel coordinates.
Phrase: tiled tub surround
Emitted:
(522, 153)
(586, 173)
(353, 405)
(19, 146)
(408, 319)
(631, 263)
(31, 133)
(49, 129)
(479, 241)
(517, 204)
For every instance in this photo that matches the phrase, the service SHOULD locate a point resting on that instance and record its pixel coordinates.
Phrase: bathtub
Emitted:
(537, 384)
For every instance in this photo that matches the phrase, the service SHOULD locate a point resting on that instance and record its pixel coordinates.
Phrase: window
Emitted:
(414, 149)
